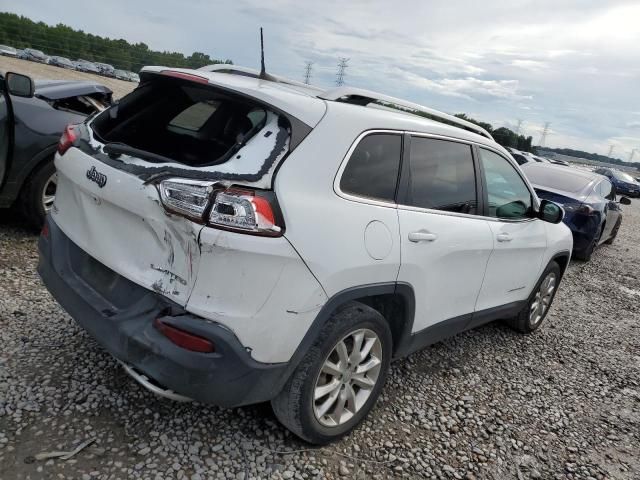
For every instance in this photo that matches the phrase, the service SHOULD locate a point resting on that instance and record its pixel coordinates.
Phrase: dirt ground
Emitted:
(39, 71)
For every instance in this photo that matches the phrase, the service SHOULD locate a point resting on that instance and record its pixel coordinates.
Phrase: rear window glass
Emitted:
(372, 170)
(557, 178)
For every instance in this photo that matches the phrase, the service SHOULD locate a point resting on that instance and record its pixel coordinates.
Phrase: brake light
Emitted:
(244, 210)
(581, 208)
(185, 76)
(69, 136)
(184, 339)
(239, 209)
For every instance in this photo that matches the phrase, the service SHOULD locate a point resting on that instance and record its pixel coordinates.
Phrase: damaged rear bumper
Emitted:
(119, 314)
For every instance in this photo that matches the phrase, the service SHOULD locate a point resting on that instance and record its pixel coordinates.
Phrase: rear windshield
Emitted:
(187, 122)
(558, 178)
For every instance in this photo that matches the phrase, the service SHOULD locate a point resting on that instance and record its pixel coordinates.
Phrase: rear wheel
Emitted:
(340, 377)
(538, 304)
(38, 194)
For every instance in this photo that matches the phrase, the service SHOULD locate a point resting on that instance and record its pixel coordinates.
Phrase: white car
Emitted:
(235, 239)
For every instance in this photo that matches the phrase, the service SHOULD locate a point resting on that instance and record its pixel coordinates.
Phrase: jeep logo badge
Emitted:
(96, 176)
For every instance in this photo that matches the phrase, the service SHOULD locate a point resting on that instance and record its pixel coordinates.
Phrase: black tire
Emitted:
(31, 204)
(523, 322)
(294, 405)
(614, 232)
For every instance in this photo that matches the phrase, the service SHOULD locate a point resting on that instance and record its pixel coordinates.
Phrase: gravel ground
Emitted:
(39, 71)
(563, 403)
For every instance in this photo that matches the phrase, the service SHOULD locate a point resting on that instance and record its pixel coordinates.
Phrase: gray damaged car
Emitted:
(33, 116)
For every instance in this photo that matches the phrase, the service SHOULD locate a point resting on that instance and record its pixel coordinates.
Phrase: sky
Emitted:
(574, 64)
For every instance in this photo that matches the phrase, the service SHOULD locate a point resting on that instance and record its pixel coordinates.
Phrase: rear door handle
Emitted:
(504, 237)
(422, 236)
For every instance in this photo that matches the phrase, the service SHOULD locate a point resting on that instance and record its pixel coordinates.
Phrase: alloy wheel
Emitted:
(542, 299)
(49, 192)
(347, 377)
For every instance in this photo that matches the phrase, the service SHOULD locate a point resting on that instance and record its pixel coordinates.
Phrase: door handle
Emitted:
(504, 237)
(422, 236)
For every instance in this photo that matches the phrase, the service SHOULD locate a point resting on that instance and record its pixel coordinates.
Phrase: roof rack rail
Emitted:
(250, 72)
(359, 96)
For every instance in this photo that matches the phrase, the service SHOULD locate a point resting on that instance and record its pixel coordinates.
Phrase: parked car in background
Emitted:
(166, 201)
(106, 69)
(8, 51)
(589, 200)
(87, 66)
(121, 75)
(62, 62)
(133, 77)
(624, 183)
(32, 118)
(34, 55)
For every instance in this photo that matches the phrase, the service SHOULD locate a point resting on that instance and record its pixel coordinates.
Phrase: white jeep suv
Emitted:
(235, 239)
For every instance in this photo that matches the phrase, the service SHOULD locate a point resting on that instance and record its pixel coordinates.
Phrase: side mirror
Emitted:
(624, 201)
(550, 212)
(19, 85)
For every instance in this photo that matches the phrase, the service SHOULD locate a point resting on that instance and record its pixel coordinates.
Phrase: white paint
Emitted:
(378, 240)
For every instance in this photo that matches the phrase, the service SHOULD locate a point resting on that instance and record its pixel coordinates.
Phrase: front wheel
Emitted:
(340, 377)
(539, 302)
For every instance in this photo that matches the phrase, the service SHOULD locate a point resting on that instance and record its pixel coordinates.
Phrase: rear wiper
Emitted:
(114, 149)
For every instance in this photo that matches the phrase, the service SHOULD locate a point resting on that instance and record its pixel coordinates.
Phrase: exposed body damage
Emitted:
(261, 281)
(248, 166)
(155, 249)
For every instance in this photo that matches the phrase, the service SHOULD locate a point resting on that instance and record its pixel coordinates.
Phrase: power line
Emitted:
(519, 126)
(611, 147)
(307, 72)
(545, 132)
(342, 65)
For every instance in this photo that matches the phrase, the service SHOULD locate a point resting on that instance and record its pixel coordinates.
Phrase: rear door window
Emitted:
(507, 194)
(441, 176)
(372, 169)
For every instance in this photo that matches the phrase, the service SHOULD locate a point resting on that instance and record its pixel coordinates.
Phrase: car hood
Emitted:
(57, 89)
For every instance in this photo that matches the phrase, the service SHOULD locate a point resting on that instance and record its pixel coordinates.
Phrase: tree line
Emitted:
(503, 135)
(22, 32)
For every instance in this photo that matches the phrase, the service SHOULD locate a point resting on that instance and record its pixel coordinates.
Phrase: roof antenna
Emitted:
(263, 73)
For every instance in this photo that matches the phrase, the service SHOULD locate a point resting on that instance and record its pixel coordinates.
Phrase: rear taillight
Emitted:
(183, 339)
(581, 208)
(245, 211)
(185, 197)
(237, 209)
(69, 136)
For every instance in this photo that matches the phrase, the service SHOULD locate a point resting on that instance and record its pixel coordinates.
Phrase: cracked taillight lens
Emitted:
(186, 197)
(244, 210)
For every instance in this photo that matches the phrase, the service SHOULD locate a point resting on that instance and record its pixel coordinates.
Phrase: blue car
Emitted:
(625, 184)
(589, 200)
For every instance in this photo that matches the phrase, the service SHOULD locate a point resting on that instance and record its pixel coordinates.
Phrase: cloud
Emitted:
(578, 67)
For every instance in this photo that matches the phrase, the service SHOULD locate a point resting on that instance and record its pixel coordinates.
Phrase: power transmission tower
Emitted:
(610, 151)
(519, 126)
(545, 132)
(342, 65)
(633, 152)
(307, 72)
